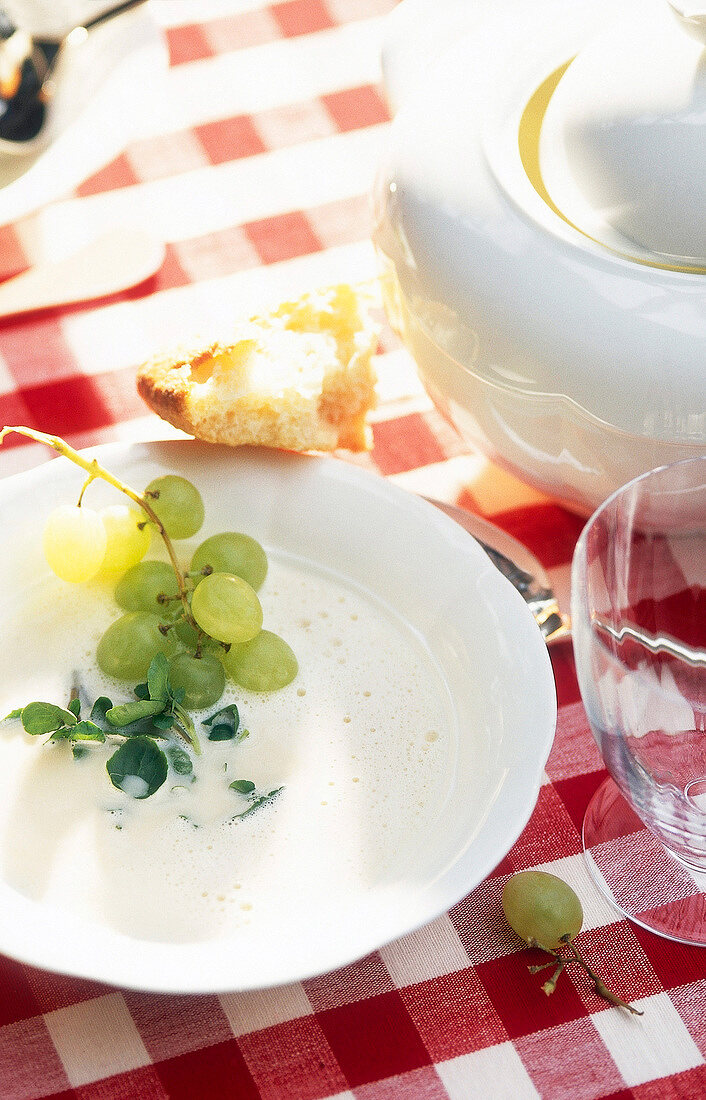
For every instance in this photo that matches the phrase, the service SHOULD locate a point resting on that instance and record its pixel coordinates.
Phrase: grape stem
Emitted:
(550, 985)
(576, 957)
(95, 471)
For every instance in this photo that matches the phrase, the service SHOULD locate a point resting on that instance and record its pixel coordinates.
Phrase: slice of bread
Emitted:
(299, 377)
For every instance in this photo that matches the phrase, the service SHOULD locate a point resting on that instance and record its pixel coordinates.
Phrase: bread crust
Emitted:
(163, 383)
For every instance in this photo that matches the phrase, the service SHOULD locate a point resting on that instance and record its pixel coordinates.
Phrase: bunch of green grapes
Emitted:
(207, 620)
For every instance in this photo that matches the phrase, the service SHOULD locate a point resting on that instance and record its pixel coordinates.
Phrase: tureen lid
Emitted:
(490, 285)
(623, 141)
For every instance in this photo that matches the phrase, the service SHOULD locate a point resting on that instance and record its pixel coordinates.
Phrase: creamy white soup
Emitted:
(362, 742)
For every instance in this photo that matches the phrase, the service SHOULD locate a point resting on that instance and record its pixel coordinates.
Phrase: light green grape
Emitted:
(128, 538)
(201, 678)
(265, 663)
(139, 588)
(178, 505)
(74, 542)
(541, 908)
(129, 644)
(227, 608)
(232, 552)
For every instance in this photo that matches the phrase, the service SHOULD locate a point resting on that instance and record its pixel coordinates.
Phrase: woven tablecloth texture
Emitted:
(257, 173)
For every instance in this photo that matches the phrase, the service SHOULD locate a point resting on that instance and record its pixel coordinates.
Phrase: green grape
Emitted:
(542, 909)
(265, 663)
(178, 505)
(129, 536)
(192, 638)
(129, 644)
(202, 679)
(187, 634)
(74, 542)
(232, 552)
(139, 588)
(227, 608)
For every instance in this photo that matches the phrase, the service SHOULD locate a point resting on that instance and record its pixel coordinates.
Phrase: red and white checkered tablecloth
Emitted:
(256, 174)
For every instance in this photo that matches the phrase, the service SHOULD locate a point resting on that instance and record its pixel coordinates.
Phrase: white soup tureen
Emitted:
(541, 219)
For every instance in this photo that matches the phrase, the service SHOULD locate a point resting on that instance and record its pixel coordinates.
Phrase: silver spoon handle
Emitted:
(554, 624)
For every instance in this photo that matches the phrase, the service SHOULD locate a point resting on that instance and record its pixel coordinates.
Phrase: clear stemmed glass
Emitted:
(639, 621)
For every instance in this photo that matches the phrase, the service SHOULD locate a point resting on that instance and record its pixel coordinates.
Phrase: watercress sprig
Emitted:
(139, 766)
(257, 798)
(157, 700)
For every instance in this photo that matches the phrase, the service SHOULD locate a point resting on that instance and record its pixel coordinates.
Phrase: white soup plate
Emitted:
(405, 556)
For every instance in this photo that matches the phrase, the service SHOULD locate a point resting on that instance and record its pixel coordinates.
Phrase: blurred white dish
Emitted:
(540, 286)
(400, 553)
(108, 86)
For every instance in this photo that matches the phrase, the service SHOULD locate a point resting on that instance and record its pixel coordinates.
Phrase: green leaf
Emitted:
(221, 732)
(100, 708)
(62, 734)
(138, 767)
(180, 760)
(75, 707)
(243, 786)
(224, 723)
(158, 678)
(225, 714)
(86, 731)
(14, 714)
(82, 731)
(185, 723)
(261, 800)
(142, 691)
(144, 728)
(127, 713)
(45, 717)
(163, 721)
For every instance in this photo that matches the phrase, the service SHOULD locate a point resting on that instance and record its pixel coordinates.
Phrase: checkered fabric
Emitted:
(257, 176)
